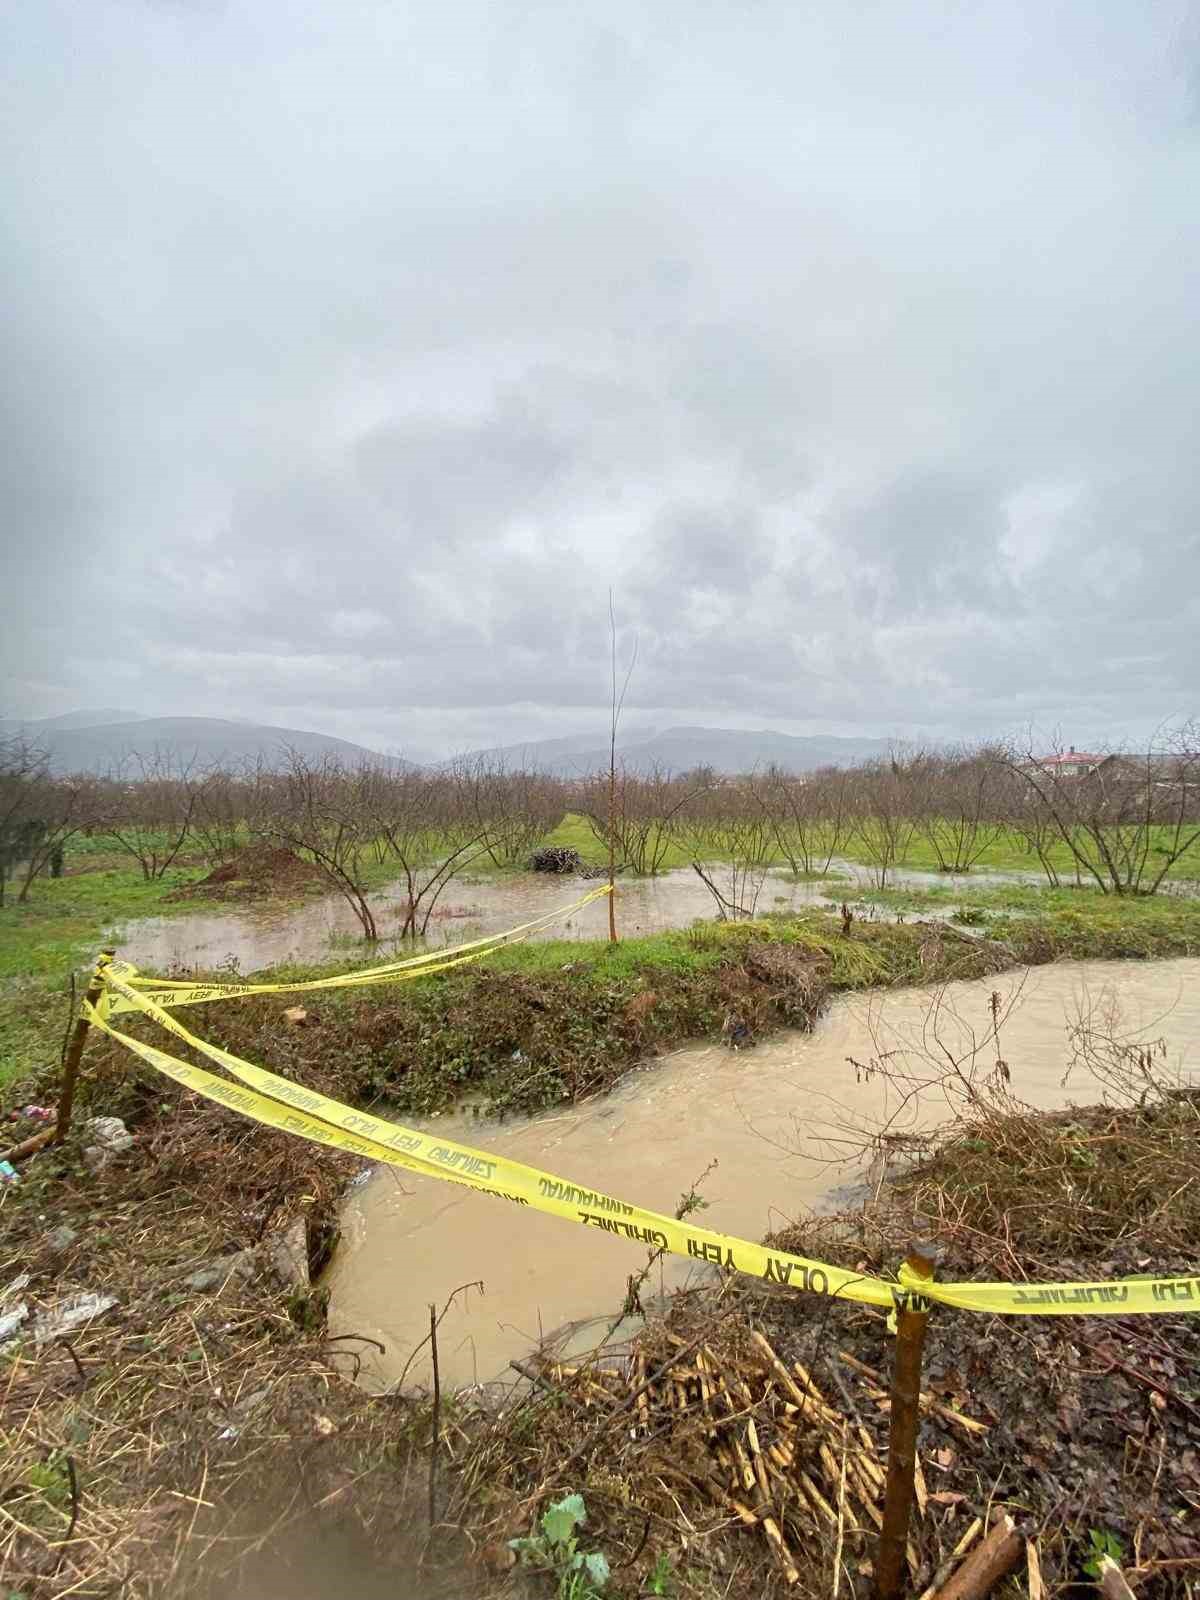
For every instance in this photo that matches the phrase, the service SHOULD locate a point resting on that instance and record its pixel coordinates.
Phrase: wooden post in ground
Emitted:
(912, 1318)
(612, 843)
(435, 1438)
(74, 1050)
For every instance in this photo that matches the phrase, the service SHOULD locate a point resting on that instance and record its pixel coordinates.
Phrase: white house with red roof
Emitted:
(1071, 763)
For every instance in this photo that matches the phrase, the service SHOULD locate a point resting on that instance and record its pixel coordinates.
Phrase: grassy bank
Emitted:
(540, 1022)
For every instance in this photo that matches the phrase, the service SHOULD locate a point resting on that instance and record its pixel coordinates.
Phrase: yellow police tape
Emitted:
(173, 992)
(279, 1103)
(294, 1109)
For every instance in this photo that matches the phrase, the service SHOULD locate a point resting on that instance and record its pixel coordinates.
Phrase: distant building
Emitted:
(1073, 764)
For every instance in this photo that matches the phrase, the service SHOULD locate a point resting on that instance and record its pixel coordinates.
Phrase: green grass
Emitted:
(1007, 853)
(988, 901)
(575, 833)
(65, 920)
(57, 932)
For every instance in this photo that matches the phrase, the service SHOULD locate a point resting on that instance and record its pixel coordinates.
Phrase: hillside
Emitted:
(70, 719)
(74, 746)
(680, 749)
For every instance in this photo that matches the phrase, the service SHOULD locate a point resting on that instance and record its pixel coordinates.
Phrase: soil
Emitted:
(261, 872)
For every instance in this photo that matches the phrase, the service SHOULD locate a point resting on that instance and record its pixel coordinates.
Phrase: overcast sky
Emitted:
(350, 351)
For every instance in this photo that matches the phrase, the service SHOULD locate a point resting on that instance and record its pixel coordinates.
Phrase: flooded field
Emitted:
(785, 1122)
(471, 909)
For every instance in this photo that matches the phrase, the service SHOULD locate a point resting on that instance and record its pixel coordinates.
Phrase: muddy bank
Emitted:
(775, 1127)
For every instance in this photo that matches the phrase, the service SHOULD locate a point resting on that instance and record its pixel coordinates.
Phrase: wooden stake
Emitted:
(790, 1572)
(74, 1050)
(437, 1416)
(961, 1548)
(987, 1563)
(902, 1431)
(841, 1526)
(30, 1146)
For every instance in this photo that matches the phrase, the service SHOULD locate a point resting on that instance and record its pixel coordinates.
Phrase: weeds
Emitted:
(555, 1549)
(662, 1581)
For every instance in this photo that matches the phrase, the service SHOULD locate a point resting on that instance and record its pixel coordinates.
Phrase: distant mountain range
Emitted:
(726, 750)
(92, 741)
(101, 741)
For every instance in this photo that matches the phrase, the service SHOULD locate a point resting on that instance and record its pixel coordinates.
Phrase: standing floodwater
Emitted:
(774, 1118)
(471, 908)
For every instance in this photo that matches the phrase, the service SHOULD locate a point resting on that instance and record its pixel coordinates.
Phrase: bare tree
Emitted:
(325, 811)
(24, 776)
(432, 830)
(641, 816)
(733, 844)
(152, 801)
(1028, 816)
(618, 704)
(808, 816)
(882, 806)
(512, 809)
(958, 804)
(226, 809)
(1126, 819)
(65, 806)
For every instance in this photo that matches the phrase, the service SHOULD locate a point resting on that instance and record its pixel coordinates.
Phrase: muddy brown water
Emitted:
(472, 909)
(782, 1120)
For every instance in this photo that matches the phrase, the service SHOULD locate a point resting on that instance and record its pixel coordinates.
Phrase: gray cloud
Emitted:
(352, 352)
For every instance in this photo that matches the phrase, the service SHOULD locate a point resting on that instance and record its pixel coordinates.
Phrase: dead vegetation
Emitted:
(206, 1381)
(739, 1443)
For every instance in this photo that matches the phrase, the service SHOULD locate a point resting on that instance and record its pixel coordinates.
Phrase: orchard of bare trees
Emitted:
(1121, 824)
